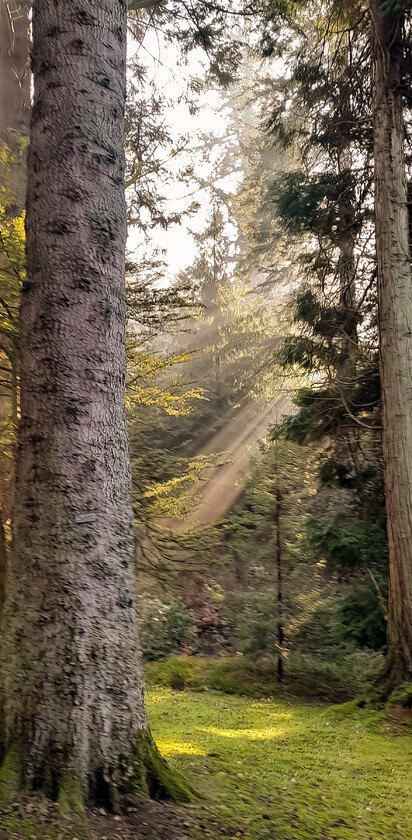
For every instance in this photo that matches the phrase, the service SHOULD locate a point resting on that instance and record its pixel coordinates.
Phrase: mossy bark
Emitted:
(402, 696)
(10, 778)
(71, 678)
(71, 806)
(148, 773)
(71, 681)
(144, 773)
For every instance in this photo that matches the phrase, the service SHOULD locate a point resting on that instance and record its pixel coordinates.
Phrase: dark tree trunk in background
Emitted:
(3, 565)
(346, 273)
(14, 129)
(15, 86)
(14, 67)
(279, 575)
(395, 324)
(71, 674)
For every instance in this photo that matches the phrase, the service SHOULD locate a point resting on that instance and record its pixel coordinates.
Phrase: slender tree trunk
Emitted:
(279, 586)
(15, 87)
(345, 240)
(347, 273)
(14, 387)
(3, 565)
(71, 673)
(395, 325)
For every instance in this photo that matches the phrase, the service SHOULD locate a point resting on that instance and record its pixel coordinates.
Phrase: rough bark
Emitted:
(71, 681)
(395, 325)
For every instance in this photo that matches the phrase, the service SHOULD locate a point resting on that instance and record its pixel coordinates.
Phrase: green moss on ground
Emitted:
(49, 820)
(150, 774)
(277, 768)
(13, 826)
(10, 778)
(345, 709)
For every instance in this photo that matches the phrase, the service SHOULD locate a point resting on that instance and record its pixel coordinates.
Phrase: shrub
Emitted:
(361, 669)
(360, 617)
(165, 627)
(254, 623)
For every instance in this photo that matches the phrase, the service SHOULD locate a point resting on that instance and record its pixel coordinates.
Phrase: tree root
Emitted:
(148, 773)
(71, 806)
(10, 778)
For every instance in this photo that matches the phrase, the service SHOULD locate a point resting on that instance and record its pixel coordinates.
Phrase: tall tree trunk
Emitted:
(395, 324)
(14, 364)
(3, 565)
(71, 673)
(279, 586)
(346, 272)
(346, 237)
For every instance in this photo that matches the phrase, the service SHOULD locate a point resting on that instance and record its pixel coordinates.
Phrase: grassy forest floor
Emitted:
(266, 769)
(284, 770)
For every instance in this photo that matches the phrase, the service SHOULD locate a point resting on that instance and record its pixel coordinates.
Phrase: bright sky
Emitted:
(162, 65)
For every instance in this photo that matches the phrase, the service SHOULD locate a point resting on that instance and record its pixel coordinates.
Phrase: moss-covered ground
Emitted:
(283, 770)
(273, 768)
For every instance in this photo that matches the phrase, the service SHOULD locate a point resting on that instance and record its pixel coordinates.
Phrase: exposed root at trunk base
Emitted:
(10, 779)
(399, 703)
(145, 773)
(70, 815)
(71, 807)
(148, 773)
(396, 674)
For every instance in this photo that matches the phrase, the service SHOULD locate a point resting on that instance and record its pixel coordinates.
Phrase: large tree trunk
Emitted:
(71, 681)
(395, 324)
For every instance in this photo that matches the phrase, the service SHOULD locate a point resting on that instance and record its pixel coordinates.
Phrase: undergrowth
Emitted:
(306, 676)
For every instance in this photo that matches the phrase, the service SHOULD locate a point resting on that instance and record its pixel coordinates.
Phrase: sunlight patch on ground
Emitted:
(253, 734)
(168, 748)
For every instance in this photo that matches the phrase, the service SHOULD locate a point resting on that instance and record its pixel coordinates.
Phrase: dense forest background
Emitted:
(253, 390)
(278, 329)
(253, 381)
